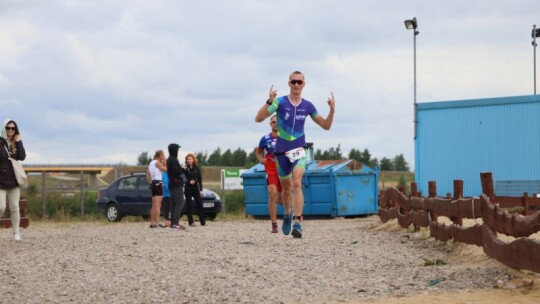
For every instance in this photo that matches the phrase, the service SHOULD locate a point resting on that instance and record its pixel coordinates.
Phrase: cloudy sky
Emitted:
(102, 81)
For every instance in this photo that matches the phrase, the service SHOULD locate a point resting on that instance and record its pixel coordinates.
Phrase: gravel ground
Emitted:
(337, 260)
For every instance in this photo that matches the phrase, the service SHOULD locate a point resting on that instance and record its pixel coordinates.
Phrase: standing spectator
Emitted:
(12, 146)
(292, 111)
(177, 178)
(267, 144)
(194, 188)
(155, 168)
(166, 203)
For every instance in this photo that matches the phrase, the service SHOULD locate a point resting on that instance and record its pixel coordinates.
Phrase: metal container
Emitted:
(331, 188)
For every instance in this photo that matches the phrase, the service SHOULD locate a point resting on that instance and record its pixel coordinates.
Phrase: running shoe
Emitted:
(178, 227)
(286, 226)
(274, 228)
(17, 237)
(297, 230)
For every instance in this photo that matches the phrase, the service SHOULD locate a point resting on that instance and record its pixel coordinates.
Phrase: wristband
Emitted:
(268, 102)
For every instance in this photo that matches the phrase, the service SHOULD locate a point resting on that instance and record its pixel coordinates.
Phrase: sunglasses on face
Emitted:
(273, 122)
(298, 82)
(10, 128)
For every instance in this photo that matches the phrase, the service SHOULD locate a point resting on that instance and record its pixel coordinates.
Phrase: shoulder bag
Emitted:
(20, 175)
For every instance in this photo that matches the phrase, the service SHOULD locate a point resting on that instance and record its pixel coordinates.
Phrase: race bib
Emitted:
(295, 154)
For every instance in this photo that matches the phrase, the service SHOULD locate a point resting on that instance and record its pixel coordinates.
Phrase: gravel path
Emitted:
(337, 260)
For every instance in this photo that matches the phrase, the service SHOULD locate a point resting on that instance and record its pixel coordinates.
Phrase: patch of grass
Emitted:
(234, 202)
(62, 207)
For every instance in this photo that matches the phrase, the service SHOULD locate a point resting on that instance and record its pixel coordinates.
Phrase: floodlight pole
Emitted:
(412, 24)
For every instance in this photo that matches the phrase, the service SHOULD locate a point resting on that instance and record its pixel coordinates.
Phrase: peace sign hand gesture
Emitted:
(272, 94)
(331, 102)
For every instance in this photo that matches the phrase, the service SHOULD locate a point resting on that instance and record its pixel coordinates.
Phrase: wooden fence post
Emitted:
(486, 179)
(458, 193)
(526, 203)
(432, 188)
(414, 190)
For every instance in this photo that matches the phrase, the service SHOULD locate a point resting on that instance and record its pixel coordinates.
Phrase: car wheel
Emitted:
(211, 216)
(113, 214)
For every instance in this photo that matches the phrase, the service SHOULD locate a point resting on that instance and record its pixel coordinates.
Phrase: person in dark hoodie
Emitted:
(11, 142)
(177, 179)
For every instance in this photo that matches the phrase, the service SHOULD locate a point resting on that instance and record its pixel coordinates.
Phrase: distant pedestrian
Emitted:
(267, 144)
(177, 179)
(194, 187)
(12, 147)
(154, 174)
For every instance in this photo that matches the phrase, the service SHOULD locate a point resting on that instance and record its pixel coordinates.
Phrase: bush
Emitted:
(234, 201)
(61, 206)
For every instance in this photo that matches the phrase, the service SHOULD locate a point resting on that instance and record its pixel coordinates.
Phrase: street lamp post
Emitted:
(535, 33)
(412, 24)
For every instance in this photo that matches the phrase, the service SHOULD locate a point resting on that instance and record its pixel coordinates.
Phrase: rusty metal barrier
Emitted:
(522, 253)
(23, 209)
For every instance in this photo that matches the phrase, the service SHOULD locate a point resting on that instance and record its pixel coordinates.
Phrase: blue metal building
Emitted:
(461, 139)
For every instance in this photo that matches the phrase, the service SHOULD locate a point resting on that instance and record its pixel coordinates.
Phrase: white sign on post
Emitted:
(231, 180)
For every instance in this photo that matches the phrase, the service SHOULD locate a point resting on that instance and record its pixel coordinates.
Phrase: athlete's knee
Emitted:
(297, 183)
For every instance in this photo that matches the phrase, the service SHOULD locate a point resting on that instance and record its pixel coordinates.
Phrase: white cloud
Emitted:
(106, 81)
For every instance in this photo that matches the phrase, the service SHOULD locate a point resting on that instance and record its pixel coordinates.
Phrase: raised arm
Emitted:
(263, 112)
(326, 123)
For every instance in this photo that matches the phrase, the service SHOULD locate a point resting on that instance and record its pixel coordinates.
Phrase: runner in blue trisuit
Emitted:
(292, 111)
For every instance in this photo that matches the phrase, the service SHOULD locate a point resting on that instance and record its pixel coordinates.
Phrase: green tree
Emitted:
(143, 159)
(355, 154)
(239, 158)
(202, 158)
(334, 153)
(365, 157)
(226, 158)
(252, 159)
(318, 155)
(387, 164)
(400, 164)
(374, 162)
(215, 158)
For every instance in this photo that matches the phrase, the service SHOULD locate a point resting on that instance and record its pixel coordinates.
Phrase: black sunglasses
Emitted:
(11, 128)
(298, 82)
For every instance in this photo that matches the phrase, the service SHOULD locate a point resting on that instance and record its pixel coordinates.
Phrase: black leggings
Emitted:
(193, 192)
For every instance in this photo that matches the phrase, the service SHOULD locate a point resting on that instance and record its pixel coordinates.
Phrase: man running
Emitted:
(268, 144)
(292, 111)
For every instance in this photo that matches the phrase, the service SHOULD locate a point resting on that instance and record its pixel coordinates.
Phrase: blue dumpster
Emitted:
(330, 187)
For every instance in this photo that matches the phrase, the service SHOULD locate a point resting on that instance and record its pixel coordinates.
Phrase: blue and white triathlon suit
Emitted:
(290, 122)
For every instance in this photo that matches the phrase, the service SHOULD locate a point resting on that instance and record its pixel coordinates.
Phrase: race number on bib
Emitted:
(295, 154)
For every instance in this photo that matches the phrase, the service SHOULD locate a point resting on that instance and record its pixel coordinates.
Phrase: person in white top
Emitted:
(154, 177)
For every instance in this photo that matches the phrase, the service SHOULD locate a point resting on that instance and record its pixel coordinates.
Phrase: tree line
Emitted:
(240, 158)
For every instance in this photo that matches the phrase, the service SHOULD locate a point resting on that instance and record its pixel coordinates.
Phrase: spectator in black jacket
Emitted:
(194, 188)
(177, 179)
(12, 146)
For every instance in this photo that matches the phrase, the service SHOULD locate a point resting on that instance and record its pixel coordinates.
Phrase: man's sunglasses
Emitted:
(298, 82)
(11, 128)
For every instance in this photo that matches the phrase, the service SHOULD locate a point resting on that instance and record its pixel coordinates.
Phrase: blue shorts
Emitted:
(285, 167)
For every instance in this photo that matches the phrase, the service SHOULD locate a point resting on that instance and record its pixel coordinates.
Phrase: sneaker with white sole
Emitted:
(178, 227)
(17, 237)
(297, 230)
(287, 221)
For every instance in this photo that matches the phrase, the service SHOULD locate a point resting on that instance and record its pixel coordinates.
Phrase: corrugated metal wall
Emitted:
(460, 139)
